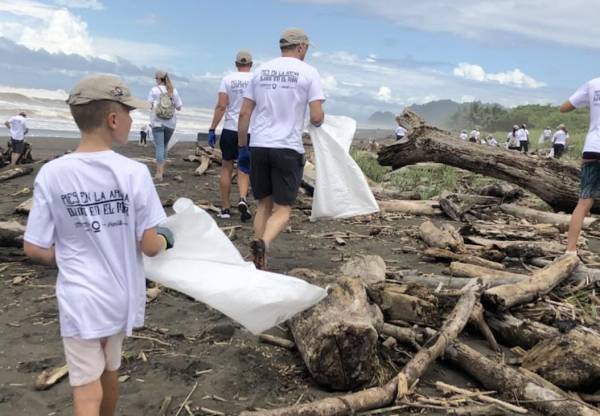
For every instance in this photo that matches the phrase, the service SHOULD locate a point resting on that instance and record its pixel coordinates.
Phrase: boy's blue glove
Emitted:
(167, 234)
(244, 159)
(212, 138)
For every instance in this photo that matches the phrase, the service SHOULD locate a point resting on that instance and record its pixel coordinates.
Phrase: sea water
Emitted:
(48, 115)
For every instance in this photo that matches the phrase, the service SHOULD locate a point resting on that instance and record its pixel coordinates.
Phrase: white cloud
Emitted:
(81, 4)
(513, 77)
(139, 52)
(329, 82)
(567, 23)
(384, 94)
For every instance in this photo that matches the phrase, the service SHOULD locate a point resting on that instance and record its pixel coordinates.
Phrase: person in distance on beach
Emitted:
(588, 95)
(18, 129)
(229, 102)
(400, 132)
(94, 213)
(278, 95)
(559, 140)
(164, 101)
(143, 135)
(513, 139)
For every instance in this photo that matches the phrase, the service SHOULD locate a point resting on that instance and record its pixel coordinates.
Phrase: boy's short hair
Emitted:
(91, 116)
(22, 114)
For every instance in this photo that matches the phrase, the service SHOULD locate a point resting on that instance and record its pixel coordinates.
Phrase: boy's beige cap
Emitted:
(103, 87)
(294, 36)
(243, 57)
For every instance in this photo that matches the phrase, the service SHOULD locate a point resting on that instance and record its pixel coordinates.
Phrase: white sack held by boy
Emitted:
(341, 189)
(205, 265)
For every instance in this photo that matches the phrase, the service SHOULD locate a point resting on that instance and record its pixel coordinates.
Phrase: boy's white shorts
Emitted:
(88, 358)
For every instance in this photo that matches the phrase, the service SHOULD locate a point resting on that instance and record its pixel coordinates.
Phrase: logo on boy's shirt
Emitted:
(100, 204)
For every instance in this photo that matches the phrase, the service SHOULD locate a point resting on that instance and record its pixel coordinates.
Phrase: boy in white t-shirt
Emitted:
(559, 140)
(588, 95)
(231, 95)
(278, 95)
(400, 132)
(18, 129)
(94, 213)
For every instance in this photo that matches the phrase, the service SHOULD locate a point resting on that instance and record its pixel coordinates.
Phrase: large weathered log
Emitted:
(504, 191)
(540, 283)
(543, 217)
(521, 248)
(472, 270)
(425, 207)
(449, 282)
(441, 254)
(11, 234)
(499, 377)
(571, 361)
(554, 181)
(377, 397)
(396, 304)
(444, 237)
(15, 173)
(513, 331)
(337, 338)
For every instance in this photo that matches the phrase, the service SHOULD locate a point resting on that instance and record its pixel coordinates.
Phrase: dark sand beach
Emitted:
(184, 342)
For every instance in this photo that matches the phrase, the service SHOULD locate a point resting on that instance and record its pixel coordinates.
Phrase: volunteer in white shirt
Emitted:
(400, 132)
(559, 141)
(523, 136)
(231, 95)
(278, 95)
(513, 139)
(588, 95)
(463, 135)
(164, 100)
(18, 129)
(546, 135)
(474, 136)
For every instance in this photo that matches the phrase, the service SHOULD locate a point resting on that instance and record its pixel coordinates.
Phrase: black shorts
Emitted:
(276, 173)
(18, 146)
(558, 150)
(229, 144)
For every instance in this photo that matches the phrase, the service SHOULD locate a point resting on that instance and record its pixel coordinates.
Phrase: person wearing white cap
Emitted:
(588, 95)
(229, 102)
(94, 213)
(512, 140)
(164, 101)
(278, 96)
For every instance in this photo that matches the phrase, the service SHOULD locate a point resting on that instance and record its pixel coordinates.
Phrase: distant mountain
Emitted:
(384, 119)
(437, 113)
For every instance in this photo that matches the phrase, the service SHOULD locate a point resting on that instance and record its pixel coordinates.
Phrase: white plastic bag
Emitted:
(341, 189)
(205, 265)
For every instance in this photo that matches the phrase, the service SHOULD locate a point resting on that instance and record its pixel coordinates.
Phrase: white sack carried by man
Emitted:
(205, 265)
(341, 189)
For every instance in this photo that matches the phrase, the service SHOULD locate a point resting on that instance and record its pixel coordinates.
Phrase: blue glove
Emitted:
(212, 138)
(167, 234)
(244, 159)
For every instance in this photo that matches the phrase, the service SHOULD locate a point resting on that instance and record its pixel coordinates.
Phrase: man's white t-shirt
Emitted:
(400, 131)
(154, 98)
(560, 137)
(282, 89)
(547, 134)
(463, 136)
(234, 86)
(94, 208)
(588, 95)
(18, 127)
(521, 135)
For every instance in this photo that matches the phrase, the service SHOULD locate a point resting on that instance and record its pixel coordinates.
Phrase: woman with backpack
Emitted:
(164, 100)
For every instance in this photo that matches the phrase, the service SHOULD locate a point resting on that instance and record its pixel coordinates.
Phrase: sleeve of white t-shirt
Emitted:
(148, 208)
(250, 92)
(315, 93)
(223, 86)
(40, 224)
(581, 97)
(176, 99)
(151, 96)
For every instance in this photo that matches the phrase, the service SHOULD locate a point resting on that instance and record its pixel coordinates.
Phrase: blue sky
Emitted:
(371, 54)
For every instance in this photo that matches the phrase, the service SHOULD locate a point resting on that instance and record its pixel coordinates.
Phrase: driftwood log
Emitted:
(11, 234)
(450, 282)
(521, 248)
(519, 332)
(554, 181)
(425, 207)
(24, 207)
(504, 191)
(377, 397)
(443, 237)
(533, 393)
(15, 173)
(539, 284)
(447, 255)
(472, 270)
(396, 304)
(543, 217)
(337, 338)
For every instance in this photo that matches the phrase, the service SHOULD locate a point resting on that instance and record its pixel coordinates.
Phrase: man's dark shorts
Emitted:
(18, 146)
(276, 173)
(229, 144)
(590, 180)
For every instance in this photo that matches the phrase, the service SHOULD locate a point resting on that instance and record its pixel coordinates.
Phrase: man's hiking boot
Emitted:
(245, 214)
(259, 254)
(225, 213)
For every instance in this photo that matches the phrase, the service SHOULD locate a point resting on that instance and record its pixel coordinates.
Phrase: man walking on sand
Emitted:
(231, 95)
(18, 130)
(588, 95)
(278, 94)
